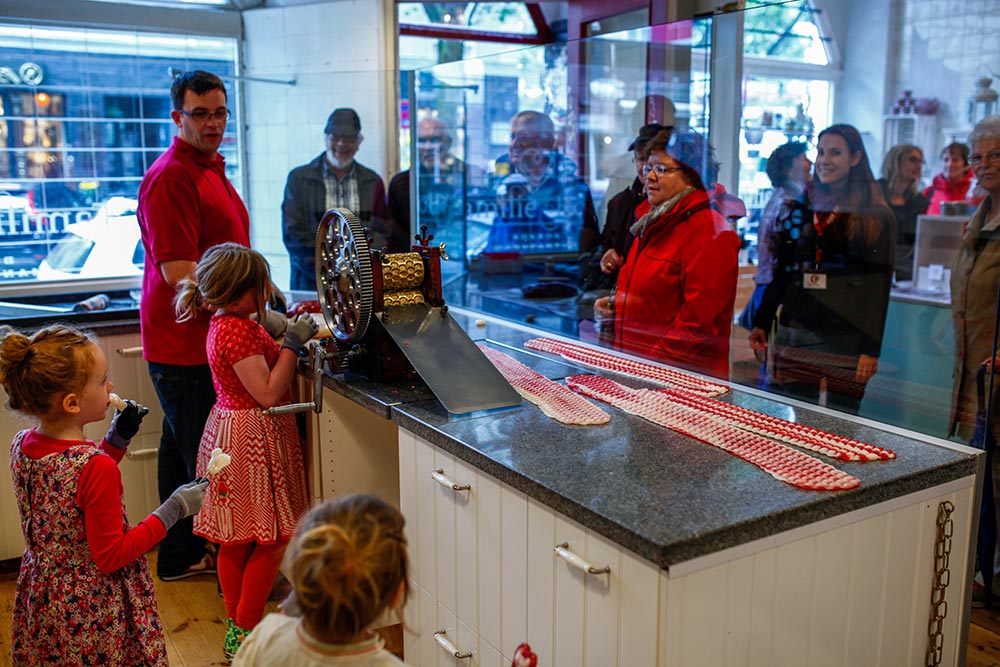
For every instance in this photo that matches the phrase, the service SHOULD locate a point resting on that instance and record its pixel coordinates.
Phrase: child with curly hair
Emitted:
(347, 564)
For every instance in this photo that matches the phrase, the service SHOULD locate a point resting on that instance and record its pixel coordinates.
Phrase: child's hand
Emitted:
(274, 323)
(125, 424)
(299, 331)
(183, 502)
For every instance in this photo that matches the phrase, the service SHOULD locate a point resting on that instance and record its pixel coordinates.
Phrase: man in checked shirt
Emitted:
(332, 180)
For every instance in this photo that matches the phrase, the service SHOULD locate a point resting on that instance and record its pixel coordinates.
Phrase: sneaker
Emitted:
(205, 566)
(234, 639)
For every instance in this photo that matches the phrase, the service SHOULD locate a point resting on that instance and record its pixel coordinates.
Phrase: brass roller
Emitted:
(402, 297)
(401, 271)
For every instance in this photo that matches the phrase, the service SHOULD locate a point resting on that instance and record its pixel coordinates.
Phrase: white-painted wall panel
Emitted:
(637, 625)
(903, 540)
(408, 499)
(427, 521)
(514, 570)
(858, 594)
(864, 598)
(490, 538)
(569, 598)
(601, 623)
(828, 619)
(541, 580)
(467, 546)
(444, 511)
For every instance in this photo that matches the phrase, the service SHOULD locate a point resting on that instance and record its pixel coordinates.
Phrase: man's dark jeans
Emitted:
(187, 396)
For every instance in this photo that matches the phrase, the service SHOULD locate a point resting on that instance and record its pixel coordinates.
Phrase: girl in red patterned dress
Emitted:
(84, 592)
(252, 506)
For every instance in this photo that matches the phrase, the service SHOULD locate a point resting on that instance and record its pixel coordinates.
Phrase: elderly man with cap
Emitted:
(332, 180)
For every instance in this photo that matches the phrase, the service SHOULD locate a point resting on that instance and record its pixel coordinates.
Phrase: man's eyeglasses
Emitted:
(977, 159)
(660, 169)
(430, 140)
(202, 115)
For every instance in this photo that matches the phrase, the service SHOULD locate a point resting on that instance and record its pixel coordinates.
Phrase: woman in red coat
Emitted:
(673, 301)
(954, 183)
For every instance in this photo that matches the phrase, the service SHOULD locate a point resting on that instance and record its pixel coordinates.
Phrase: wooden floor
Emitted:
(193, 616)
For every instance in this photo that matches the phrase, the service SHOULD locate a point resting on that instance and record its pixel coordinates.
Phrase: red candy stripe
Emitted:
(778, 460)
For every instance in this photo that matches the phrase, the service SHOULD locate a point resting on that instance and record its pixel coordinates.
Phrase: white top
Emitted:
(281, 640)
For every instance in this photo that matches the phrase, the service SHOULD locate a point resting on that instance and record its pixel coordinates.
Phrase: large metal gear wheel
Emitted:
(344, 275)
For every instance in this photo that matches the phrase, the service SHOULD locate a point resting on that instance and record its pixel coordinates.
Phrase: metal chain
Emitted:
(942, 577)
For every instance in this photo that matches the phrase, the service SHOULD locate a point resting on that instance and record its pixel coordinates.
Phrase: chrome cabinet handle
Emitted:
(441, 638)
(577, 561)
(444, 481)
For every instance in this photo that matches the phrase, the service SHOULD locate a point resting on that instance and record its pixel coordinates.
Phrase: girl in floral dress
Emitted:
(84, 592)
(252, 505)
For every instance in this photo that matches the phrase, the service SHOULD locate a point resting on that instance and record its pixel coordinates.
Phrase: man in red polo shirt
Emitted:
(186, 206)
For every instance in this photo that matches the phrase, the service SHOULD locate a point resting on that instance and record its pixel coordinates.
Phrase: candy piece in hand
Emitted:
(218, 461)
(117, 401)
(125, 424)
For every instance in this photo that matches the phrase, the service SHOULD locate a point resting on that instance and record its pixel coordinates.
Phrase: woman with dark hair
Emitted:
(832, 279)
(955, 180)
(788, 168)
(901, 171)
(673, 300)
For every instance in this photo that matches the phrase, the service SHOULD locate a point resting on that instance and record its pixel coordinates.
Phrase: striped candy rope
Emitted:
(780, 461)
(800, 435)
(553, 399)
(637, 369)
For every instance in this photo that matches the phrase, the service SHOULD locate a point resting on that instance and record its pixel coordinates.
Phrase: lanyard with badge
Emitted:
(815, 279)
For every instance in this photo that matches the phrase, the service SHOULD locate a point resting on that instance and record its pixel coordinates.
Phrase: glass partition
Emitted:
(563, 209)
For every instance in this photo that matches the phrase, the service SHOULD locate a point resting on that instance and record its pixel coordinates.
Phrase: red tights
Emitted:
(246, 573)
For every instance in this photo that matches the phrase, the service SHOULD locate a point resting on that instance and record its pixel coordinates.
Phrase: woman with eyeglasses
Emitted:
(901, 170)
(673, 300)
(975, 276)
(831, 280)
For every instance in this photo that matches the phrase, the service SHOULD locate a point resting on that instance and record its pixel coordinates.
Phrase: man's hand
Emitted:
(611, 260)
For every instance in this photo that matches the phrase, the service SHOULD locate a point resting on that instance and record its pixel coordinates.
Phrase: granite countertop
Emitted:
(665, 496)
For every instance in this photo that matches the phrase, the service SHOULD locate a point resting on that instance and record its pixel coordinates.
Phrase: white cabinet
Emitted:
(483, 566)
(910, 128)
(131, 379)
(854, 589)
(350, 448)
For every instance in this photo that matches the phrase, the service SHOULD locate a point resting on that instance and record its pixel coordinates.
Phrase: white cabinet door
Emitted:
(486, 572)
(441, 479)
(467, 546)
